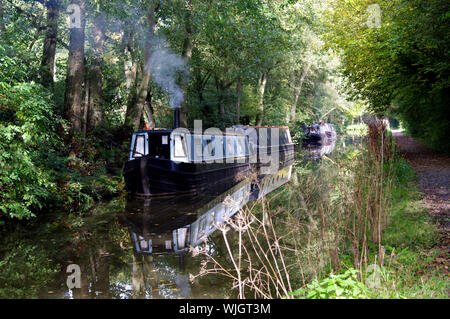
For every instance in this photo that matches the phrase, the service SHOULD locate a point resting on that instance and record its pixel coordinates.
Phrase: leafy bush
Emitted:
(25, 141)
(343, 286)
(357, 129)
(36, 170)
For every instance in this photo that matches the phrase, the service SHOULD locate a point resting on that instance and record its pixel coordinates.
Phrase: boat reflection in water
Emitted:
(171, 226)
(315, 151)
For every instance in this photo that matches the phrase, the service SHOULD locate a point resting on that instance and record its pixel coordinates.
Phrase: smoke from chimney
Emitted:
(165, 68)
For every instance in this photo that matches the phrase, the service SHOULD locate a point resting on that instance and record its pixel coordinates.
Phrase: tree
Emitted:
(95, 113)
(187, 55)
(136, 104)
(261, 89)
(48, 61)
(2, 22)
(399, 62)
(75, 66)
(297, 92)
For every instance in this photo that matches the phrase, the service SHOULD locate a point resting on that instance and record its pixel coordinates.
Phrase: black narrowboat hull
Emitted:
(286, 154)
(312, 138)
(147, 176)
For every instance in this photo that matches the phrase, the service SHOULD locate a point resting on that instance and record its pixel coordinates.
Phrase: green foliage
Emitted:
(401, 67)
(357, 129)
(25, 142)
(36, 171)
(343, 286)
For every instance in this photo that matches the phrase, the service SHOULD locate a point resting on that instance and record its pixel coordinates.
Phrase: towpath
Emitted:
(433, 171)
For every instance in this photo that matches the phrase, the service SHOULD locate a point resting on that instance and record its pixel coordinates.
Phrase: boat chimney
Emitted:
(176, 118)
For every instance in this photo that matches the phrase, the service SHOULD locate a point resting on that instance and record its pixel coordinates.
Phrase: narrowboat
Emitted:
(165, 162)
(317, 133)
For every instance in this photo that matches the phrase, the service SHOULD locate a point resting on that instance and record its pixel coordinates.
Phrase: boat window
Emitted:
(211, 219)
(241, 146)
(247, 146)
(139, 146)
(284, 138)
(202, 226)
(197, 143)
(252, 148)
(262, 135)
(217, 151)
(230, 146)
(208, 146)
(269, 140)
(213, 147)
(181, 237)
(224, 146)
(180, 148)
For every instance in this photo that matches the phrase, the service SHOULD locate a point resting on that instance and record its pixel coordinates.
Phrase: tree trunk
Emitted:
(95, 114)
(186, 54)
(85, 108)
(2, 22)
(130, 66)
(47, 71)
(75, 70)
(148, 110)
(38, 26)
(261, 88)
(199, 84)
(220, 89)
(238, 100)
(297, 93)
(136, 105)
(293, 90)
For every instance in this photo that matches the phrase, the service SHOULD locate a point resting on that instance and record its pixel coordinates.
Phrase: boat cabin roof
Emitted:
(165, 131)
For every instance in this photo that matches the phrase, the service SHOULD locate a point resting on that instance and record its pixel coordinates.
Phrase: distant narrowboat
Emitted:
(318, 132)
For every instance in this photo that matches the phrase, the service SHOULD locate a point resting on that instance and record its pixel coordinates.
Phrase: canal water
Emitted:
(137, 248)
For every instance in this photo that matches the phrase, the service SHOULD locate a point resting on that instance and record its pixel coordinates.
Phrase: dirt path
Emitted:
(433, 171)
